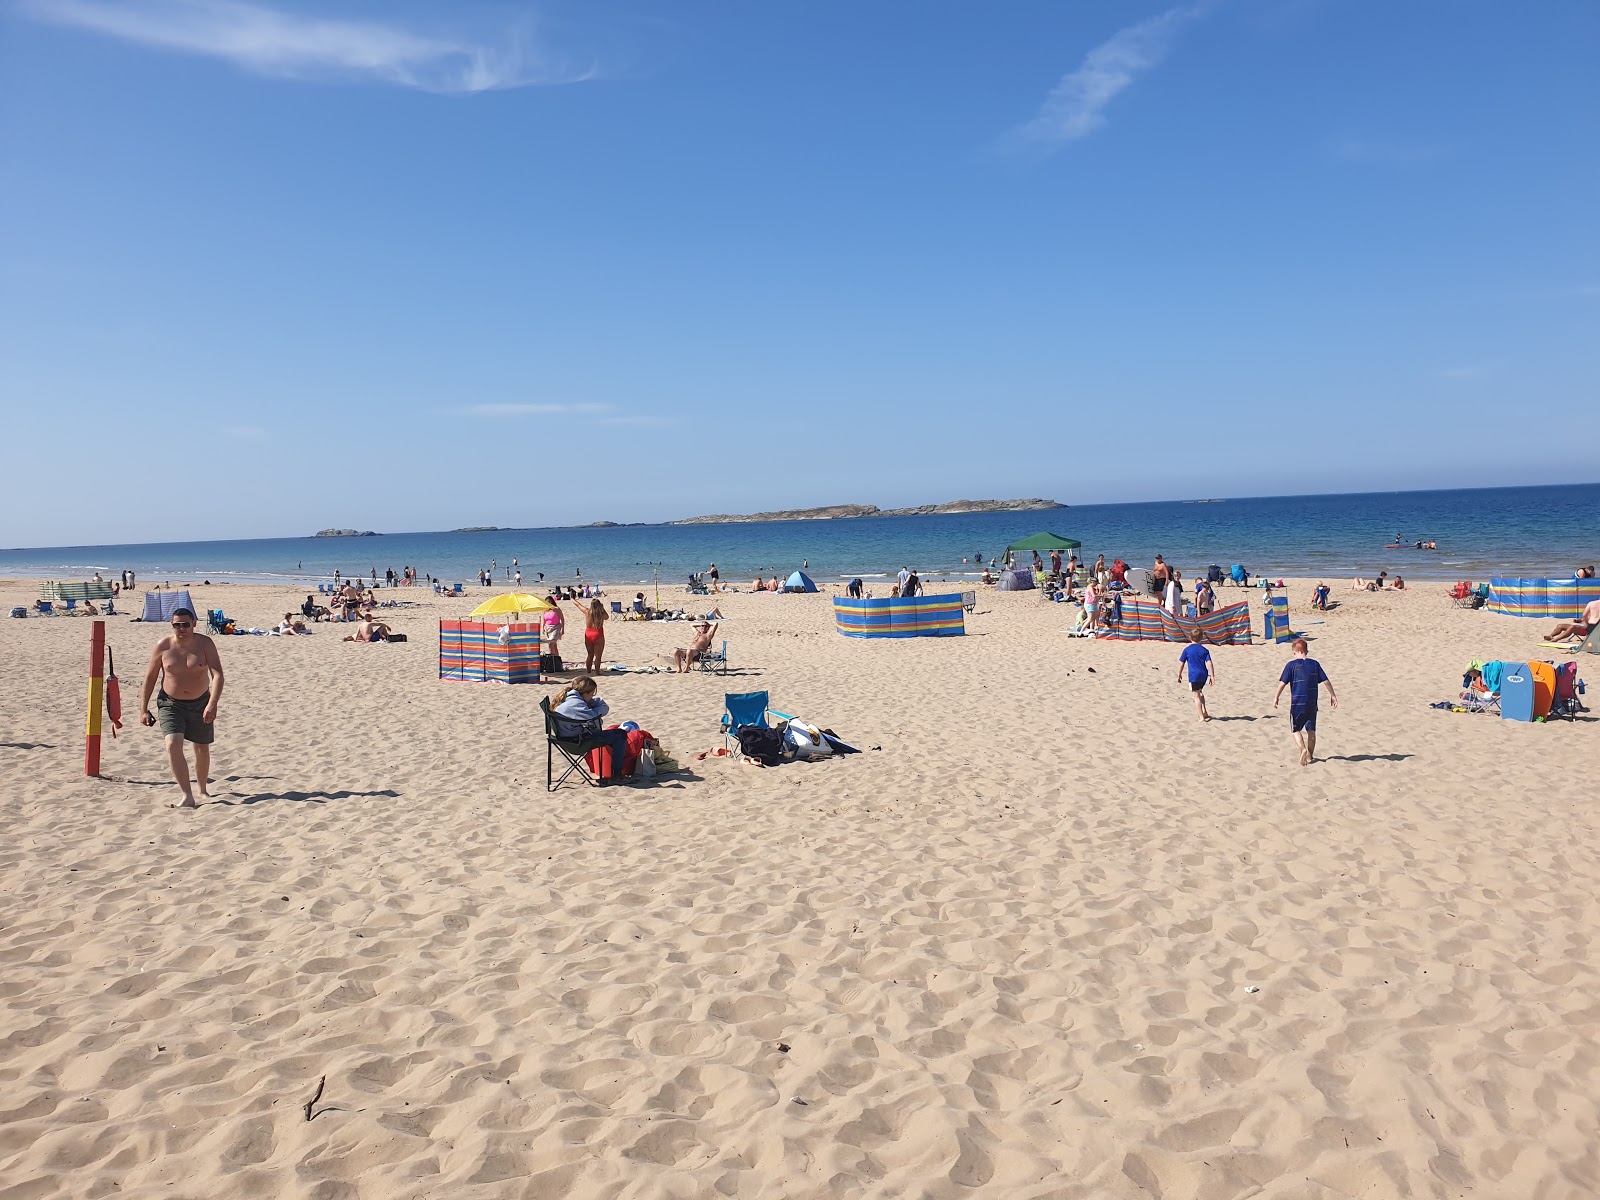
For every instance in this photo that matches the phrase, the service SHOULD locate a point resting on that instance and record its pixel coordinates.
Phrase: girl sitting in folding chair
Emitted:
(578, 711)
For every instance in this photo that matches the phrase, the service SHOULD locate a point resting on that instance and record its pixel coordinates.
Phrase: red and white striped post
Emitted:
(97, 691)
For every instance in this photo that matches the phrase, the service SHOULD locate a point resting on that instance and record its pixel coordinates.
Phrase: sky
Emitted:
(268, 267)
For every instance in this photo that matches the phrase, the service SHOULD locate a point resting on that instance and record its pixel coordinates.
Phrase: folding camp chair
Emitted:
(1566, 706)
(716, 663)
(616, 608)
(742, 710)
(969, 600)
(46, 608)
(572, 750)
(215, 621)
(1460, 595)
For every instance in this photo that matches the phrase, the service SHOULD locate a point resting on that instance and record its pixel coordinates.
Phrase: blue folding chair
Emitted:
(716, 663)
(742, 710)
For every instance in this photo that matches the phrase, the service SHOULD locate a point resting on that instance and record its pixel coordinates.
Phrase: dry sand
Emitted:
(1055, 938)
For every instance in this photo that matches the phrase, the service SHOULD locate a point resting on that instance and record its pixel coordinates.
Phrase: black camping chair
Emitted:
(572, 749)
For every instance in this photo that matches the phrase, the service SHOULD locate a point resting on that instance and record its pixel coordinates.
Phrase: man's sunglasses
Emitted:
(183, 624)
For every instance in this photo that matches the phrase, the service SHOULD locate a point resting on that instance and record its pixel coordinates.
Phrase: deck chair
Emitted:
(47, 608)
(1460, 595)
(616, 608)
(572, 750)
(717, 663)
(215, 621)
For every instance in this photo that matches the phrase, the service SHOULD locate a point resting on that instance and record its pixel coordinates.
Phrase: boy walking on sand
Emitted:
(1201, 671)
(1301, 675)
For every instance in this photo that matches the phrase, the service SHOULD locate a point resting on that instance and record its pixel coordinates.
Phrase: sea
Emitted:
(1528, 531)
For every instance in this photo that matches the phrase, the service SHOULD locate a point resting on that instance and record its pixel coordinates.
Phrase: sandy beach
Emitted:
(1048, 936)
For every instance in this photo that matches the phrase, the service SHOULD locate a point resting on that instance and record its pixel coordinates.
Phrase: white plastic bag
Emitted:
(645, 768)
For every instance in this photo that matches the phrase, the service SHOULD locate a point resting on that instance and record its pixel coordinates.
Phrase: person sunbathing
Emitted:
(1587, 620)
(369, 631)
(684, 659)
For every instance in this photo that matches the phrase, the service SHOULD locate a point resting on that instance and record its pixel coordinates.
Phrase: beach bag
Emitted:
(549, 663)
(397, 637)
(762, 744)
(19, 611)
(806, 741)
(645, 768)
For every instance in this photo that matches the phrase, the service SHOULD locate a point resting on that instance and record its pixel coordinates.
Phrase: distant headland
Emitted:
(833, 512)
(483, 529)
(346, 533)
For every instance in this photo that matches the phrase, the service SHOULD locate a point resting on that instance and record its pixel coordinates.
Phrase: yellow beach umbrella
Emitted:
(511, 602)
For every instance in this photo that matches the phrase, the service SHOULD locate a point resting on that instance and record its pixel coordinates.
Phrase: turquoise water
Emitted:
(1540, 531)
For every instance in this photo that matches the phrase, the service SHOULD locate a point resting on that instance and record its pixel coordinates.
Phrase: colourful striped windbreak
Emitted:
(80, 591)
(1275, 621)
(472, 650)
(1550, 599)
(891, 617)
(1144, 620)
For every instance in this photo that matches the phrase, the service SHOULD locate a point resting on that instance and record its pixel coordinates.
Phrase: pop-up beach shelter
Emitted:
(799, 582)
(159, 606)
(1045, 541)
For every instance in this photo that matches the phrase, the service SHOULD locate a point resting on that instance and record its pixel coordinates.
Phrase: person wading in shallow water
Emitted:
(186, 703)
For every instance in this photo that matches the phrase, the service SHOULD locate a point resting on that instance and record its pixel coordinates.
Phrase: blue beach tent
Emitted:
(799, 582)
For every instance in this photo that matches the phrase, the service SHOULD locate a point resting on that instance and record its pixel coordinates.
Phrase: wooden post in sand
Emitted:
(97, 684)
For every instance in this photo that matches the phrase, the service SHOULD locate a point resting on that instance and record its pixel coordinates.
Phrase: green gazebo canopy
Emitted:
(1045, 541)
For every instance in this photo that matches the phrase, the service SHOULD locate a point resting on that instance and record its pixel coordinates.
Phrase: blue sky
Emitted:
(405, 265)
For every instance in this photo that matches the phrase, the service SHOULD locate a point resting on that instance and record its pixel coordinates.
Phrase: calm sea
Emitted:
(1536, 531)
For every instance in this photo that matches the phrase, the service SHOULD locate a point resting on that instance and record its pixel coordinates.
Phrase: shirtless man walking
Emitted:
(186, 704)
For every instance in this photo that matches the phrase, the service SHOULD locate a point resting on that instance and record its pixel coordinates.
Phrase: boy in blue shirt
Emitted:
(1301, 675)
(1201, 671)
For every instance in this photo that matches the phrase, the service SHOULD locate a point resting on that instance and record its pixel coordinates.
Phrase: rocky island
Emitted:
(833, 512)
(482, 529)
(346, 533)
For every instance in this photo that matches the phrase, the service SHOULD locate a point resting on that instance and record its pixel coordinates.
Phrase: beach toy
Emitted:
(629, 726)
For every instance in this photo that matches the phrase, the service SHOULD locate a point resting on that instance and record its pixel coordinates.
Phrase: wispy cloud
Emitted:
(289, 45)
(529, 410)
(646, 421)
(1076, 107)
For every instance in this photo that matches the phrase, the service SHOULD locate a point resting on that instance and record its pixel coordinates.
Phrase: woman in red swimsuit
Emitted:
(594, 633)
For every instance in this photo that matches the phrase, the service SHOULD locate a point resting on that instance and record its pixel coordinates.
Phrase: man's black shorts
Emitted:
(183, 717)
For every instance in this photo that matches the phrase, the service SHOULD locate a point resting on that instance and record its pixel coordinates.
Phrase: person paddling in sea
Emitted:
(190, 672)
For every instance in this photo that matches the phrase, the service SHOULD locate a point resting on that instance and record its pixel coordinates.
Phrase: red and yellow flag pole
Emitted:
(97, 685)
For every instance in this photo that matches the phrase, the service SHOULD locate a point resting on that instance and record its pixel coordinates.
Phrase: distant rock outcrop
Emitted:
(346, 533)
(840, 511)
